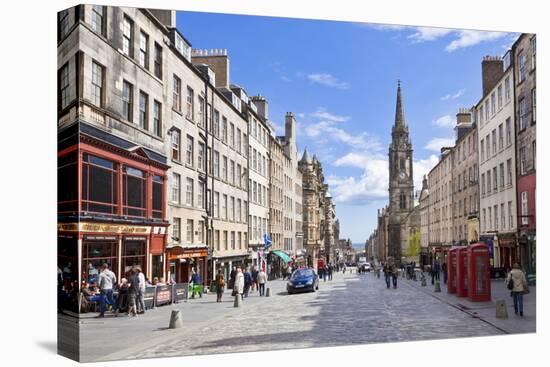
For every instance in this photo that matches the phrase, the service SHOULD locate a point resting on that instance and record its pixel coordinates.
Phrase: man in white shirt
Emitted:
(141, 293)
(106, 281)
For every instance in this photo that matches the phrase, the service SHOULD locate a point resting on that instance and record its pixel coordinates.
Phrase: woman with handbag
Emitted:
(517, 284)
(220, 284)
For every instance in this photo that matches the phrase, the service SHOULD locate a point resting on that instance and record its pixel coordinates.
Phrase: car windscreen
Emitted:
(302, 273)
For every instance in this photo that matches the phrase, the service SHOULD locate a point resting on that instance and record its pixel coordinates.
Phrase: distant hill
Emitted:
(358, 246)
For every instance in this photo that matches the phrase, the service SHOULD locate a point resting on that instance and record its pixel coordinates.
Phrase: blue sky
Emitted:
(340, 80)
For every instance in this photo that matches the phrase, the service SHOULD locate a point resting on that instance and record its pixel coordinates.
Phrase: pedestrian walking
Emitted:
(141, 292)
(517, 284)
(330, 270)
(247, 281)
(394, 275)
(232, 277)
(122, 297)
(387, 274)
(444, 269)
(254, 278)
(238, 287)
(262, 279)
(435, 270)
(197, 282)
(289, 272)
(133, 289)
(220, 284)
(106, 281)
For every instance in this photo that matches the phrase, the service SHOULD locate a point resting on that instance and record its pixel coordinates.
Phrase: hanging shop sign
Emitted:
(103, 228)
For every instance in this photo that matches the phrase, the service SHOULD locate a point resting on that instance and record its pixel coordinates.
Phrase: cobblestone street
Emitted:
(351, 309)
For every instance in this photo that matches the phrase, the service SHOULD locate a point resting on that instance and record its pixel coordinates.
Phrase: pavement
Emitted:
(486, 311)
(350, 309)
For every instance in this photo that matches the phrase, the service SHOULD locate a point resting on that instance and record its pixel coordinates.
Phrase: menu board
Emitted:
(180, 292)
(164, 295)
(149, 297)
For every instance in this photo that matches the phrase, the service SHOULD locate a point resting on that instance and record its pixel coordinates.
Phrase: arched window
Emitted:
(402, 200)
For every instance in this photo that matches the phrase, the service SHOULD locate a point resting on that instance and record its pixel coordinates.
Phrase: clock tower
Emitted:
(401, 185)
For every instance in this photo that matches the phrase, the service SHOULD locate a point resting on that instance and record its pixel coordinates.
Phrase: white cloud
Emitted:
(324, 129)
(461, 38)
(322, 114)
(327, 130)
(437, 143)
(453, 96)
(444, 121)
(285, 78)
(327, 80)
(423, 167)
(383, 27)
(467, 38)
(372, 185)
(424, 34)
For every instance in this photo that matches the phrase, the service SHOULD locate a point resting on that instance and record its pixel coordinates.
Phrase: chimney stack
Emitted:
(217, 60)
(262, 106)
(491, 72)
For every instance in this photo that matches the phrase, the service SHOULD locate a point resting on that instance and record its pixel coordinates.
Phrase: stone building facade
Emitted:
(497, 161)
(112, 166)
(313, 207)
(465, 180)
(276, 194)
(258, 178)
(524, 53)
(440, 219)
(424, 211)
(292, 189)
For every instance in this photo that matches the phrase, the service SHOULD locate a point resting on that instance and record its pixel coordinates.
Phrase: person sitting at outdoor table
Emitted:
(122, 297)
(161, 281)
(90, 295)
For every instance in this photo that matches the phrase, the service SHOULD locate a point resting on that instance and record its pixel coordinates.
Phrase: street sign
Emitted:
(267, 241)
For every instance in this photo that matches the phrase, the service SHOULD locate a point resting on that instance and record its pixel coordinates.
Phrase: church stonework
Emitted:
(401, 185)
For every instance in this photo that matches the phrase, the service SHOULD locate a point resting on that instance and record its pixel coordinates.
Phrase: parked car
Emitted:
(366, 267)
(303, 280)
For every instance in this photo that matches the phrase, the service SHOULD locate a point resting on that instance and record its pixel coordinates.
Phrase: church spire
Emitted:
(399, 114)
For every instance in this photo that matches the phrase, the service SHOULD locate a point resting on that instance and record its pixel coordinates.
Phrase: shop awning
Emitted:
(282, 255)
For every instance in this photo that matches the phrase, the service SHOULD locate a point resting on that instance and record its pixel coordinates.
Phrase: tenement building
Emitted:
(424, 211)
(497, 160)
(258, 179)
(313, 207)
(440, 219)
(524, 53)
(112, 165)
(330, 216)
(276, 203)
(226, 137)
(465, 180)
(401, 184)
(292, 187)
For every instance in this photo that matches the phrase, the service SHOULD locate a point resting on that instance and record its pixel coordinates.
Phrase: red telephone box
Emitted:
(462, 272)
(479, 273)
(451, 270)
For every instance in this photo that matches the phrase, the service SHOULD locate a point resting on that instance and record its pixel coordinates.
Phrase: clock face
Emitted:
(402, 175)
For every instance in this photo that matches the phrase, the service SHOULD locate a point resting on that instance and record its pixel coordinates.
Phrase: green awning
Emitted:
(282, 255)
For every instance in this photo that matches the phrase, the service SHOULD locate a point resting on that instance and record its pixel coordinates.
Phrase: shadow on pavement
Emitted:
(48, 345)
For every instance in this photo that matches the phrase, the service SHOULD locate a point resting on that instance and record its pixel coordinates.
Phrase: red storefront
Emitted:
(183, 260)
(111, 207)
